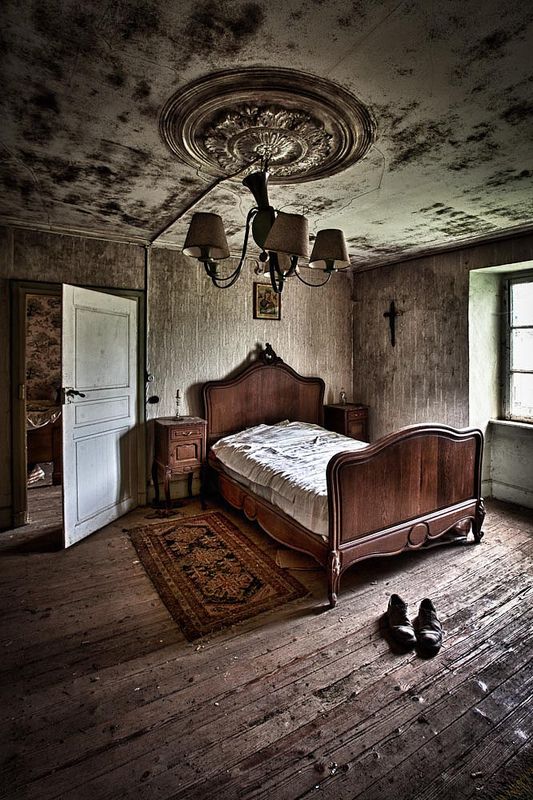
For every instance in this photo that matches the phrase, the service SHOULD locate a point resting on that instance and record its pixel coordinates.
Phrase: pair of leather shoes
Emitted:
(427, 631)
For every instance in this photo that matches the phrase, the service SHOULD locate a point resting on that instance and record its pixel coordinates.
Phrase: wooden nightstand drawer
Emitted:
(350, 419)
(185, 433)
(360, 413)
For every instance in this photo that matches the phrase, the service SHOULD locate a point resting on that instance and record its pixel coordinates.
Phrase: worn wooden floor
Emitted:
(103, 698)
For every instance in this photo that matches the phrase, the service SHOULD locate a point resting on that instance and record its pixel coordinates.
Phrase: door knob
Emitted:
(71, 393)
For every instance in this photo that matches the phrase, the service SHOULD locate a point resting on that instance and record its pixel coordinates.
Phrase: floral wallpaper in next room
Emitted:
(43, 347)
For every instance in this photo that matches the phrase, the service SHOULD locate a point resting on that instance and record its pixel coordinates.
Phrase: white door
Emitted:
(99, 410)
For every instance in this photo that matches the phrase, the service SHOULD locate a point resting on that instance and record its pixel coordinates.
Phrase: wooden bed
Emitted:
(401, 493)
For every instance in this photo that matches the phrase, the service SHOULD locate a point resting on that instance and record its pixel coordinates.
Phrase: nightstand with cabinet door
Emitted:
(179, 449)
(350, 419)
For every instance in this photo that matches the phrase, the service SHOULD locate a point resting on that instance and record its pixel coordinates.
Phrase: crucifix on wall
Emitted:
(391, 314)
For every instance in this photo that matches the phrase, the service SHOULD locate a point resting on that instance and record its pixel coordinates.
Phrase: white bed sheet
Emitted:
(286, 465)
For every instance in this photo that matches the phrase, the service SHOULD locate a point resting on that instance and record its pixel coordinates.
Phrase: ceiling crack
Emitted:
(365, 37)
(338, 211)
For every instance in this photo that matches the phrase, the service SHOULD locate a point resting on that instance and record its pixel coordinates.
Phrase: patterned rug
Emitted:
(209, 574)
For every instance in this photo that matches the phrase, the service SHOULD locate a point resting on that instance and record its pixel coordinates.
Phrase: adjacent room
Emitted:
(266, 404)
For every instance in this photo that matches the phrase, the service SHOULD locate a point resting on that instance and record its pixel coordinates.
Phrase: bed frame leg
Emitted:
(334, 577)
(478, 521)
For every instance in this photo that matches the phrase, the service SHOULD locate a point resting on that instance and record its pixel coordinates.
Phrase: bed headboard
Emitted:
(265, 391)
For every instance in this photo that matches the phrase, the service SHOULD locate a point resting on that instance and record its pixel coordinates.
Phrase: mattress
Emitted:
(286, 465)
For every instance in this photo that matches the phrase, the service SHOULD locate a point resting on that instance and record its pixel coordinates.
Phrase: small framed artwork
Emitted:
(267, 302)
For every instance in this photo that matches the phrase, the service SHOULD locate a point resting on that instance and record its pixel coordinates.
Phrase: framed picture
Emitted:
(267, 303)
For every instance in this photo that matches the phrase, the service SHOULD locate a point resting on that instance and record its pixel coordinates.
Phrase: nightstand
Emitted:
(179, 449)
(350, 419)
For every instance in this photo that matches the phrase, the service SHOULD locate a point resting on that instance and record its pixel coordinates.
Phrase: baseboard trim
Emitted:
(512, 494)
(486, 488)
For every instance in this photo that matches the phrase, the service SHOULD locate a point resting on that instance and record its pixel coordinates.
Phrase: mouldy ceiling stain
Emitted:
(449, 88)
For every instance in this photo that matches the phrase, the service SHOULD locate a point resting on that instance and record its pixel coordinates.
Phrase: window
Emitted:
(518, 349)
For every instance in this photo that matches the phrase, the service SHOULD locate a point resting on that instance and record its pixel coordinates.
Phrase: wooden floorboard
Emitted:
(104, 699)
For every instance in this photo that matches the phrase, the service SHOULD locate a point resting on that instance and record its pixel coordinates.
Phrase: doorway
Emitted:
(38, 372)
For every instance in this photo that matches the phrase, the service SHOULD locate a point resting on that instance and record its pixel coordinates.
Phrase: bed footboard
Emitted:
(402, 492)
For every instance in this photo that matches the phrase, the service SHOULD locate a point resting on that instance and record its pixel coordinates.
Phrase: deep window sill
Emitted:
(511, 423)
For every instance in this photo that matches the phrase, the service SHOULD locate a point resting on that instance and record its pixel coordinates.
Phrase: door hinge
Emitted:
(22, 391)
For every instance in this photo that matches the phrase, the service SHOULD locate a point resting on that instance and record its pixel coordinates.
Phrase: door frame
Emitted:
(19, 289)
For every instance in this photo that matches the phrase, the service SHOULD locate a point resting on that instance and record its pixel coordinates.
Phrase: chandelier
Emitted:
(282, 238)
(302, 126)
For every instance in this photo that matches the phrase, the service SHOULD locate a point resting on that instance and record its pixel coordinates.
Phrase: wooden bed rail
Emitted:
(401, 492)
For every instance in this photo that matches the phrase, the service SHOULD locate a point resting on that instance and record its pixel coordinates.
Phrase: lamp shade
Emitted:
(289, 234)
(329, 250)
(206, 237)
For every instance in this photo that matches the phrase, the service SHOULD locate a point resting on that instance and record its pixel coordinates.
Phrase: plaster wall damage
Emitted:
(449, 87)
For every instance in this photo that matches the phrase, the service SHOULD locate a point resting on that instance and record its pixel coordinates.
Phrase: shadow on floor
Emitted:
(47, 541)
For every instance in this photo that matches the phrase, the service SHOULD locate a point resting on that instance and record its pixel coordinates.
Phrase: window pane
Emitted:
(522, 349)
(521, 395)
(522, 303)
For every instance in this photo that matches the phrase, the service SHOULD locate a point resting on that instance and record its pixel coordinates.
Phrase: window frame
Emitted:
(506, 349)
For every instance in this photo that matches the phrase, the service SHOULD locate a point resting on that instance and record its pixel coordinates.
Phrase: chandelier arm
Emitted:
(226, 281)
(308, 283)
(292, 269)
(216, 280)
(277, 278)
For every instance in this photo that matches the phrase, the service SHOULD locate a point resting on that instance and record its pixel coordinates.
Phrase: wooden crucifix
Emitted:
(391, 314)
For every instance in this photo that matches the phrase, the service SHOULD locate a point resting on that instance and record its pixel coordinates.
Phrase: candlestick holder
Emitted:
(178, 404)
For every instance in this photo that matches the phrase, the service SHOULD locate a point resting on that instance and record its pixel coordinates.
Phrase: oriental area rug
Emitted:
(209, 574)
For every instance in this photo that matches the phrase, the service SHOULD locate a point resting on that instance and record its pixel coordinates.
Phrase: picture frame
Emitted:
(267, 303)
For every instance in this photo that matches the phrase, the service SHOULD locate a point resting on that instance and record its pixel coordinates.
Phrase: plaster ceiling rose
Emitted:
(306, 127)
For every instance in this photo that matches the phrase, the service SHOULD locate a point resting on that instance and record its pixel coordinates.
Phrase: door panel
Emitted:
(102, 410)
(99, 416)
(100, 459)
(104, 365)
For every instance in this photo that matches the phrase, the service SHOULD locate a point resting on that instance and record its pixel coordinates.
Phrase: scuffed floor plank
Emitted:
(106, 700)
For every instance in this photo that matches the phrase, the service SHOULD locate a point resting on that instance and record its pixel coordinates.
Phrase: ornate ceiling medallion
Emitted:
(307, 127)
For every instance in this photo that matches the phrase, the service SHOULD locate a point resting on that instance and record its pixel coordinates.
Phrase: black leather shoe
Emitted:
(428, 629)
(400, 625)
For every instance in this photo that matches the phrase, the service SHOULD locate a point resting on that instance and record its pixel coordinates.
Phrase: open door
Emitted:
(99, 355)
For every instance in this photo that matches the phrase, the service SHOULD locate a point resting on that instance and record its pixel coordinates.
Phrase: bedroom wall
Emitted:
(484, 330)
(425, 377)
(195, 332)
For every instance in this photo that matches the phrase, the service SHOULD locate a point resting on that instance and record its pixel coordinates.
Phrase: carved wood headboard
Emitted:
(266, 391)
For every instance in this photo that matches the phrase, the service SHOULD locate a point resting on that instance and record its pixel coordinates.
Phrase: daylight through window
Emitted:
(519, 401)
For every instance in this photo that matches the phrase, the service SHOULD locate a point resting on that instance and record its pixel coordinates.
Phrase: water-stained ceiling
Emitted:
(448, 85)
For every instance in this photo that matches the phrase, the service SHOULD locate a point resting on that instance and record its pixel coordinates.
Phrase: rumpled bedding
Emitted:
(40, 413)
(286, 465)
